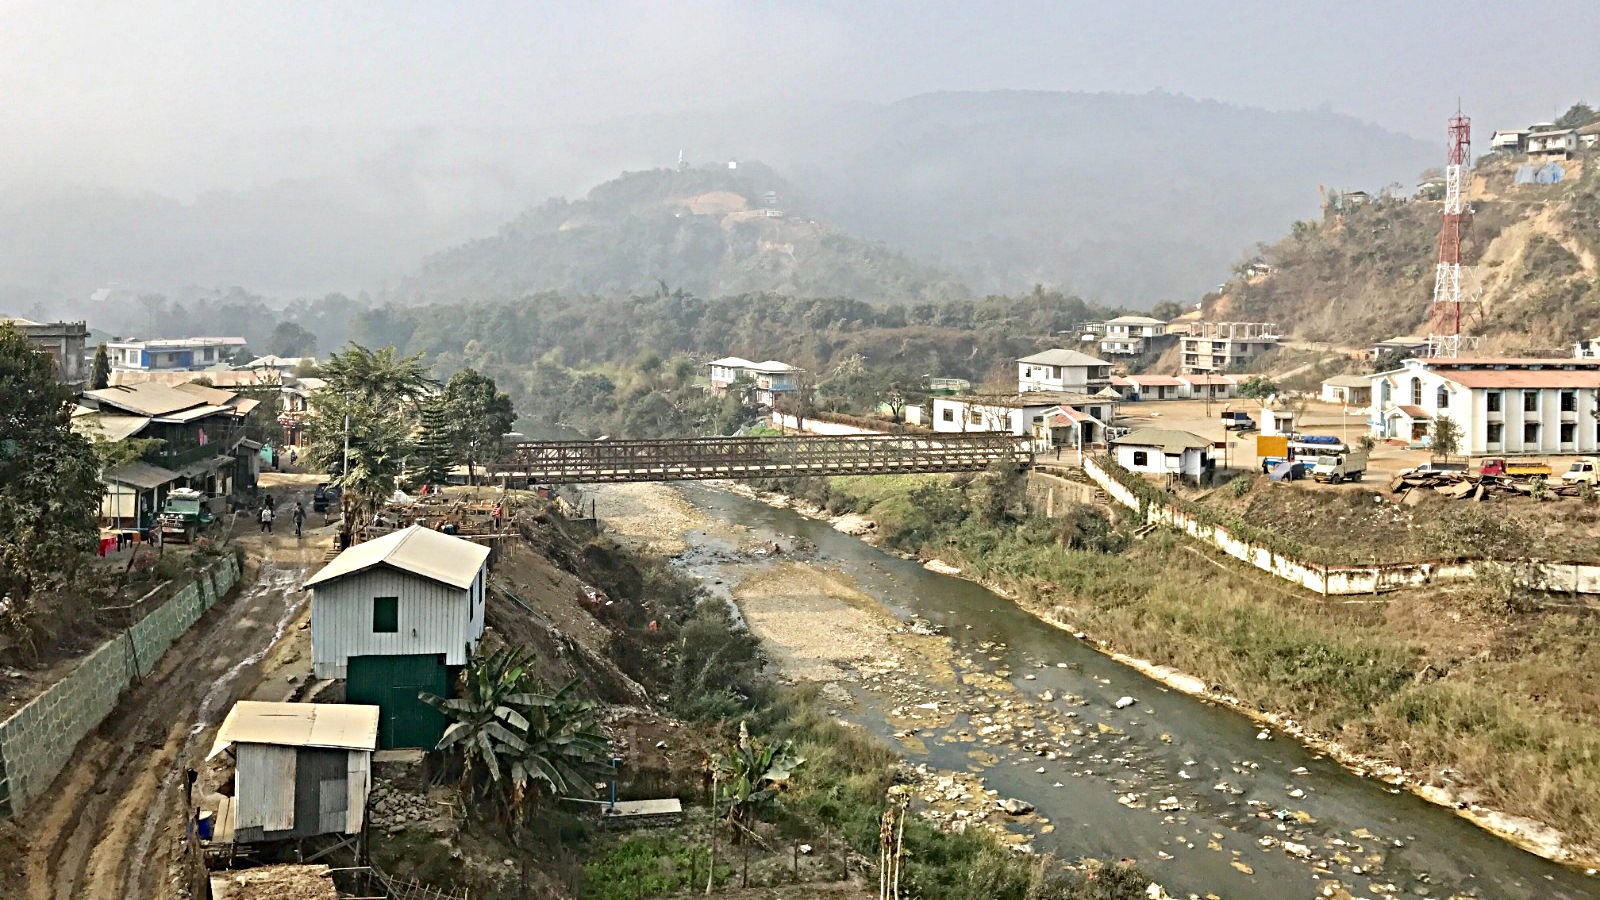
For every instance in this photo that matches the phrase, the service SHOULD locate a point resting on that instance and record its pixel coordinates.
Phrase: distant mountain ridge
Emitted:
(1125, 199)
(715, 230)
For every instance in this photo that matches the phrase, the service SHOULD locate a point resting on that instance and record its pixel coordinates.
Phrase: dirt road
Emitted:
(112, 824)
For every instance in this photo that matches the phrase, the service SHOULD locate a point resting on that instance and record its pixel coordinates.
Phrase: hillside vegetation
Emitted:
(713, 230)
(1365, 273)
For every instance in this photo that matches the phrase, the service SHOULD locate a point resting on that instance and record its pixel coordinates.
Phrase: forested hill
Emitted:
(1365, 271)
(713, 230)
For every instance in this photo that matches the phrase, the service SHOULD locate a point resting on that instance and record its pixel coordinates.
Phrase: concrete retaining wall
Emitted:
(817, 426)
(1571, 578)
(1051, 495)
(37, 742)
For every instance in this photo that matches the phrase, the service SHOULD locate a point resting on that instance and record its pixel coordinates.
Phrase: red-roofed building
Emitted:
(1504, 406)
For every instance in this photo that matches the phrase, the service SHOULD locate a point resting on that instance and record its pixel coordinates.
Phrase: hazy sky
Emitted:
(184, 96)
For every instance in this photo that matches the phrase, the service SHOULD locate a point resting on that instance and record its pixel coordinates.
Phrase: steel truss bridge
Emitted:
(698, 459)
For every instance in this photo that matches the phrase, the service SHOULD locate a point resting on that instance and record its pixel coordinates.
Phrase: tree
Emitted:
(1579, 115)
(512, 736)
(1259, 388)
(378, 439)
(435, 452)
(1167, 310)
(381, 375)
(49, 481)
(290, 339)
(100, 372)
(750, 775)
(1445, 437)
(480, 414)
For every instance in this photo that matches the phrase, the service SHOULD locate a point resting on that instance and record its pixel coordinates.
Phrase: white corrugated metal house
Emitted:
(412, 592)
(1163, 451)
(300, 769)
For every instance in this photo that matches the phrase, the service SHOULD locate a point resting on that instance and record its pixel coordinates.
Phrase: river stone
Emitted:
(1124, 703)
(1016, 807)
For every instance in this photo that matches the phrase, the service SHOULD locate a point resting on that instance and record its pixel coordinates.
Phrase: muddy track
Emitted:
(111, 825)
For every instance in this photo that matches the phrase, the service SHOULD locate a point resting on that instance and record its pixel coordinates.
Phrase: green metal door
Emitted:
(392, 684)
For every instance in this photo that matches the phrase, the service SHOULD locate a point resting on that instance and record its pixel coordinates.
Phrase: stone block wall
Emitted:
(36, 742)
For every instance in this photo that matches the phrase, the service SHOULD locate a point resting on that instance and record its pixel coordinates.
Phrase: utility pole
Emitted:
(346, 445)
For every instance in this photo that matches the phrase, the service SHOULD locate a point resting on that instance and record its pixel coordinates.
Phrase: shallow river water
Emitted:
(1231, 801)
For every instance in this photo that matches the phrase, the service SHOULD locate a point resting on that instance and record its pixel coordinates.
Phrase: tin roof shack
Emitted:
(300, 769)
(392, 616)
(1163, 451)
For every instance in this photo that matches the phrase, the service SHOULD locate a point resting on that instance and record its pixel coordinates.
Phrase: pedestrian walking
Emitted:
(269, 502)
(266, 519)
(299, 517)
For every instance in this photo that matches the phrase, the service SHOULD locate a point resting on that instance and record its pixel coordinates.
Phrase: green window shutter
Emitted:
(385, 615)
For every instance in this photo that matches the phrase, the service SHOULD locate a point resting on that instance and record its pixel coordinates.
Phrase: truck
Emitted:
(1234, 420)
(184, 513)
(1333, 468)
(1585, 470)
(1496, 467)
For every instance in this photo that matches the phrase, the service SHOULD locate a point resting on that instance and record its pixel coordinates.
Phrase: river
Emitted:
(1185, 787)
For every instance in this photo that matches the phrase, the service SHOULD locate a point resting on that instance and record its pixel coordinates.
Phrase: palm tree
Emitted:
(752, 774)
(512, 737)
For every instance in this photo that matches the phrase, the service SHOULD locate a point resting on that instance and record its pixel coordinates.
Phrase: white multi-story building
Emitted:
(1502, 406)
(172, 354)
(1133, 336)
(1063, 370)
(1215, 346)
(771, 378)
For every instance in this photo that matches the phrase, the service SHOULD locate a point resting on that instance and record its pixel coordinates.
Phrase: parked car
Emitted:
(1435, 468)
(1233, 420)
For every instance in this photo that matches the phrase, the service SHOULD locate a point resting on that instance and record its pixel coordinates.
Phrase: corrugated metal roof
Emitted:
(141, 475)
(1062, 358)
(110, 428)
(1155, 380)
(145, 399)
(1169, 440)
(1523, 378)
(420, 551)
(1135, 320)
(334, 726)
(1209, 378)
(189, 415)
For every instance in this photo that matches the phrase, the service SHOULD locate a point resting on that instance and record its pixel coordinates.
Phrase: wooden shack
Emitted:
(300, 769)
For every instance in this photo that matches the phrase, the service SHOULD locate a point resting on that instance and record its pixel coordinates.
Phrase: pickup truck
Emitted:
(1238, 421)
(1584, 471)
(1513, 468)
(1333, 468)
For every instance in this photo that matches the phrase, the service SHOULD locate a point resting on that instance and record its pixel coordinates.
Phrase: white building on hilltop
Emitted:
(1502, 406)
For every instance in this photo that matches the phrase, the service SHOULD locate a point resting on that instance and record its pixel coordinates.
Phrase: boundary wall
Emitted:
(1329, 580)
(36, 743)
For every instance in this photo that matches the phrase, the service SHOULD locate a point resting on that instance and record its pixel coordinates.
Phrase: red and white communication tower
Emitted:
(1453, 283)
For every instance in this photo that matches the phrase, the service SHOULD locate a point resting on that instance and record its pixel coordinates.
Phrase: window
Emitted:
(975, 417)
(1141, 458)
(1028, 372)
(1530, 401)
(1443, 397)
(949, 414)
(1495, 398)
(1497, 432)
(385, 615)
(1569, 432)
(1416, 392)
(1569, 401)
(1530, 433)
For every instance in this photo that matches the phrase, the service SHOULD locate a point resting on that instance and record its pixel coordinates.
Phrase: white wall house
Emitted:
(1132, 335)
(1025, 414)
(1502, 406)
(1062, 370)
(1163, 451)
(300, 769)
(169, 354)
(1348, 390)
(771, 378)
(409, 593)
(1555, 142)
(1155, 387)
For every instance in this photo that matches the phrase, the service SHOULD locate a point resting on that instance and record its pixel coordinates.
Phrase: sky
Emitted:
(182, 97)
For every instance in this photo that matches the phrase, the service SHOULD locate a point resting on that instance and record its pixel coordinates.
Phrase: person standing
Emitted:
(266, 519)
(299, 517)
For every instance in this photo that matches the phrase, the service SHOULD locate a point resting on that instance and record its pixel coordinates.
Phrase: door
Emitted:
(392, 684)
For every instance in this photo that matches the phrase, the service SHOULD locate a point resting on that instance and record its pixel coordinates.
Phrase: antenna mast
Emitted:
(1445, 312)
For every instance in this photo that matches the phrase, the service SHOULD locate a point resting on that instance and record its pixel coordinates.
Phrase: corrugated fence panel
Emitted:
(35, 740)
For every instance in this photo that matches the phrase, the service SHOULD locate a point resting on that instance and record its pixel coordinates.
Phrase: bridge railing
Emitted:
(673, 459)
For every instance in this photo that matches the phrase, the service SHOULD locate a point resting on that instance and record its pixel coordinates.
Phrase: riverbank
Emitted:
(1333, 676)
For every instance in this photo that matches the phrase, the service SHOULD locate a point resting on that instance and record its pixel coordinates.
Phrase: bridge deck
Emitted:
(689, 459)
